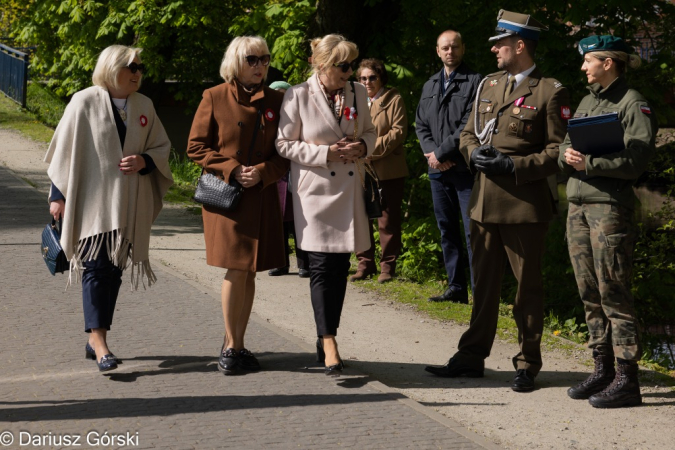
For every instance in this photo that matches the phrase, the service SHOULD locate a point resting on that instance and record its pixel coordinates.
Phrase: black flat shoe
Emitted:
(303, 273)
(278, 272)
(228, 361)
(335, 369)
(452, 294)
(247, 361)
(320, 354)
(523, 381)
(90, 353)
(454, 368)
(106, 363)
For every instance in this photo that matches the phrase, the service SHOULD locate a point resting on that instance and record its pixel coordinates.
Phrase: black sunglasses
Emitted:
(136, 67)
(253, 60)
(371, 78)
(345, 66)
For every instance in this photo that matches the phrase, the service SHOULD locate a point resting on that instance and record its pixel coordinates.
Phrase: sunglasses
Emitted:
(253, 60)
(345, 66)
(136, 67)
(372, 79)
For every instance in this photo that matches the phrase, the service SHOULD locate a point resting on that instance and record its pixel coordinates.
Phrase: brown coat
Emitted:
(391, 122)
(250, 237)
(530, 135)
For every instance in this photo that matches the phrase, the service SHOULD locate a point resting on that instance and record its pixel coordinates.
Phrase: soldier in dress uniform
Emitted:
(511, 142)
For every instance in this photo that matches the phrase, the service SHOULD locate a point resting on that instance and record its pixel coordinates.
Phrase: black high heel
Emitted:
(320, 354)
(335, 369)
(107, 362)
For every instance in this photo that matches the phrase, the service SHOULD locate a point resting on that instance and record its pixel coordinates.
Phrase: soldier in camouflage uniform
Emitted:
(600, 224)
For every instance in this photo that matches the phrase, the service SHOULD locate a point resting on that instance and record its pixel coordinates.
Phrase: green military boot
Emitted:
(624, 390)
(602, 376)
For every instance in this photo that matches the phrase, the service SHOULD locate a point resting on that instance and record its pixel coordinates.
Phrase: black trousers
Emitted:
(300, 255)
(328, 285)
(101, 283)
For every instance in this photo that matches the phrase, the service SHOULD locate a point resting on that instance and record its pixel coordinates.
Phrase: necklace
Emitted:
(123, 111)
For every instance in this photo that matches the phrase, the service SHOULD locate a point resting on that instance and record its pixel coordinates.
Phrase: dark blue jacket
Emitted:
(441, 118)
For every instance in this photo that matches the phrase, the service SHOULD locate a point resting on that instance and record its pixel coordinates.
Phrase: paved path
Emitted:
(168, 393)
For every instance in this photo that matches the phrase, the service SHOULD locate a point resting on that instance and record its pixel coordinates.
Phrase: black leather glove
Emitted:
(483, 150)
(491, 161)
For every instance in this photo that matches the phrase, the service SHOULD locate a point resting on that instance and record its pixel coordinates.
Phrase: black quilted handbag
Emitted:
(52, 252)
(214, 191)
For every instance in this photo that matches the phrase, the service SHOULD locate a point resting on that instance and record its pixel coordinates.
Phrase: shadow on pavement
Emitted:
(169, 406)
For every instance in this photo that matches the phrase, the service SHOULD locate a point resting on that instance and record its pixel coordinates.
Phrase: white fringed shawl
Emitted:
(106, 209)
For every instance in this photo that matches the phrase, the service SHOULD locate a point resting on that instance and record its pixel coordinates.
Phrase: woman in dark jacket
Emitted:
(225, 141)
(600, 223)
(388, 113)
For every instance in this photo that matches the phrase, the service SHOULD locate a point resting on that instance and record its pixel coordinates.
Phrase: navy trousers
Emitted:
(328, 286)
(451, 192)
(101, 283)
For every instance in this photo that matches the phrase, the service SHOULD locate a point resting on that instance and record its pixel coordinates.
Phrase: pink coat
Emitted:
(328, 205)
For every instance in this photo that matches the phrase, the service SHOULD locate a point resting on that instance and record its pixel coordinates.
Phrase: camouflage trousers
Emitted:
(600, 239)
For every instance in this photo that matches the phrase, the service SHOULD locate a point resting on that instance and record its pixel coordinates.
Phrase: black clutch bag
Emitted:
(213, 191)
(52, 252)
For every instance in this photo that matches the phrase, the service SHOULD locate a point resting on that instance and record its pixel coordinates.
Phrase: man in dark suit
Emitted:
(442, 113)
(518, 121)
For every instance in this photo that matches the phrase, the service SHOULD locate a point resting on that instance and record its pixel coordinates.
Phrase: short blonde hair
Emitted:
(236, 53)
(331, 49)
(622, 60)
(111, 60)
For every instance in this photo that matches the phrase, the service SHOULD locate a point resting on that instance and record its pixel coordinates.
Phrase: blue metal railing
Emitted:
(14, 74)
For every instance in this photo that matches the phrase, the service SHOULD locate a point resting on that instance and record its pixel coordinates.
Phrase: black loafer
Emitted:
(106, 363)
(303, 273)
(228, 362)
(278, 272)
(452, 294)
(247, 361)
(523, 382)
(90, 353)
(454, 368)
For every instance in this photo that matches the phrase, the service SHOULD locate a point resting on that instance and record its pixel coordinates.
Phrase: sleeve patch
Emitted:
(557, 84)
(646, 110)
(565, 112)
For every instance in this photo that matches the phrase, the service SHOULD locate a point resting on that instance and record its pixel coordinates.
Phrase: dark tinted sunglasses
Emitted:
(136, 67)
(345, 66)
(371, 78)
(253, 60)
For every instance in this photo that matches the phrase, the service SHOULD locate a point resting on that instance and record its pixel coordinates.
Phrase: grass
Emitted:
(14, 117)
(44, 104)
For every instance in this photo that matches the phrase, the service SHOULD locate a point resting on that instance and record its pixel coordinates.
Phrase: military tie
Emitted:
(509, 87)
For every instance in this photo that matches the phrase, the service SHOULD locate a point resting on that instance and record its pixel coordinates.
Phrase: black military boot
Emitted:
(602, 376)
(624, 390)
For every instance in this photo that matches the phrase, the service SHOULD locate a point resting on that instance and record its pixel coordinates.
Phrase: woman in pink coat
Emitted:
(324, 139)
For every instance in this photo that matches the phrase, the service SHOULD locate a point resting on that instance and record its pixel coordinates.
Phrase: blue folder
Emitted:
(596, 135)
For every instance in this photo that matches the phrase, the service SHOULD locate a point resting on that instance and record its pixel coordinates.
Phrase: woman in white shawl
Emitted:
(109, 171)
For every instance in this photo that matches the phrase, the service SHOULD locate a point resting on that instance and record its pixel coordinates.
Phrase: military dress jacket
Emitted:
(529, 127)
(610, 178)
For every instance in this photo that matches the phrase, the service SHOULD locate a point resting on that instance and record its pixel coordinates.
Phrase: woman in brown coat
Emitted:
(388, 159)
(225, 141)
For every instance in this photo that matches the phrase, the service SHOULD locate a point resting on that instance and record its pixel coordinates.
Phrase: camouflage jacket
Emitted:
(610, 178)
